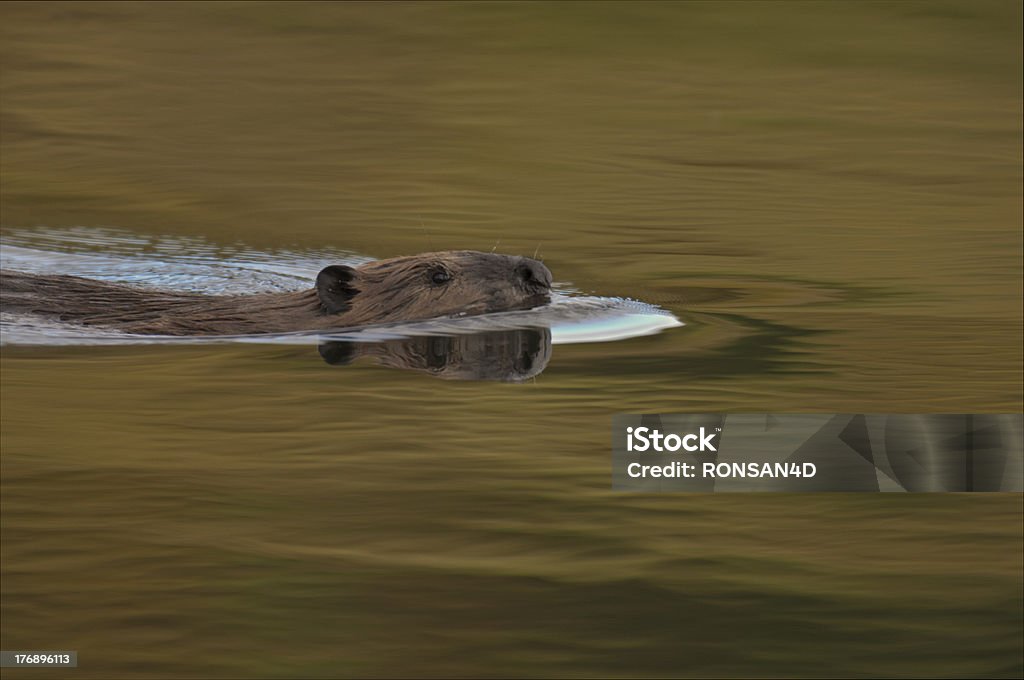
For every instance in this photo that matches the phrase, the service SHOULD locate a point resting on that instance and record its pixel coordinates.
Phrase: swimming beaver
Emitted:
(409, 288)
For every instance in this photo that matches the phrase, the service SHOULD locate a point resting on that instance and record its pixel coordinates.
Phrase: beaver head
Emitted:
(432, 285)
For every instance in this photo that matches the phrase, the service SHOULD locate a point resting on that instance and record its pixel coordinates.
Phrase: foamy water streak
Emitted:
(194, 265)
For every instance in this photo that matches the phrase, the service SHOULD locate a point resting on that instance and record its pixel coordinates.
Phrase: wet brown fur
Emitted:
(385, 291)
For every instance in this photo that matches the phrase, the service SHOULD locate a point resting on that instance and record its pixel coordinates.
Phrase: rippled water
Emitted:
(827, 197)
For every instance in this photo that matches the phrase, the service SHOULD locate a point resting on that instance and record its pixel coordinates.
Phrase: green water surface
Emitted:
(827, 193)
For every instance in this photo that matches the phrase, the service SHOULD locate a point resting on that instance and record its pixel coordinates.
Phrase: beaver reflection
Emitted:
(510, 356)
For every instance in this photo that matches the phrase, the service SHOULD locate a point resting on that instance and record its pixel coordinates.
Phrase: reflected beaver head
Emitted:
(508, 356)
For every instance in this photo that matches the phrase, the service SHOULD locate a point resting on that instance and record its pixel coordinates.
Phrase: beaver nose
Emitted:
(533, 273)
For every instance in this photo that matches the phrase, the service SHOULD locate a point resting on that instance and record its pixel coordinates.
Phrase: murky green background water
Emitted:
(829, 194)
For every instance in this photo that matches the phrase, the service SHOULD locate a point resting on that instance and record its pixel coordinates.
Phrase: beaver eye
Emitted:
(440, 277)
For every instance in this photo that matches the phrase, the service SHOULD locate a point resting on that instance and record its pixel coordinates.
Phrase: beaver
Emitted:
(410, 288)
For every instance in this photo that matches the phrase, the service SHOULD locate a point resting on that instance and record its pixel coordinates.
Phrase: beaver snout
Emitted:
(533, 274)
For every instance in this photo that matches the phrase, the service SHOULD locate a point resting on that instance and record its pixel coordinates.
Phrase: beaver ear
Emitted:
(334, 287)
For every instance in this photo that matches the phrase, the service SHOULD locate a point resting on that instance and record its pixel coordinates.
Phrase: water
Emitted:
(826, 196)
